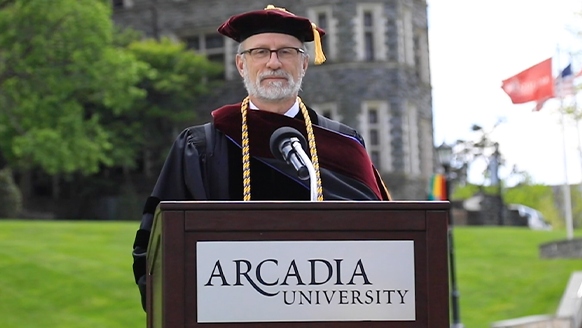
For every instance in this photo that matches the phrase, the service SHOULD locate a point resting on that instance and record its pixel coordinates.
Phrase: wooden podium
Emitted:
(376, 236)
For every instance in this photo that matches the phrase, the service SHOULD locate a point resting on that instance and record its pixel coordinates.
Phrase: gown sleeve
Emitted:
(180, 179)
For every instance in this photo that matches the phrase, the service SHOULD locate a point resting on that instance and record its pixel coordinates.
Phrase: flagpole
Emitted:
(566, 187)
(577, 118)
(567, 201)
(579, 135)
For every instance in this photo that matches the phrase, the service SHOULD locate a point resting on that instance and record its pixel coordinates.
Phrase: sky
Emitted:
(474, 45)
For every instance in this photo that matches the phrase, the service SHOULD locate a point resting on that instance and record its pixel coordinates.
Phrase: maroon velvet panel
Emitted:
(336, 152)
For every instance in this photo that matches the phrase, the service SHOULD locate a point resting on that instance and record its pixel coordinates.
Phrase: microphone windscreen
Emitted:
(282, 134)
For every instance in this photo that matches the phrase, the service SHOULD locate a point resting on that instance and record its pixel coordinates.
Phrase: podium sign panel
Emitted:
(305, 281)
(298, 264)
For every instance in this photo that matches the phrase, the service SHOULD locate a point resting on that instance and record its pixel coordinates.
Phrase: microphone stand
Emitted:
(310, 169)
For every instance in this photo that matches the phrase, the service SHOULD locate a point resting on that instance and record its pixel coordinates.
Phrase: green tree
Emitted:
(57, 59)
(141, 136)
(176, 79)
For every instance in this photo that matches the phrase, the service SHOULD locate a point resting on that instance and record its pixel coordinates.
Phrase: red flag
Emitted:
(535, 83)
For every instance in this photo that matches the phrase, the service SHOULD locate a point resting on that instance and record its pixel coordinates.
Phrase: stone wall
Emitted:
(562, 249)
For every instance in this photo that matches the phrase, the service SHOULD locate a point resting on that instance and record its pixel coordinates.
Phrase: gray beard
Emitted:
(275, 90)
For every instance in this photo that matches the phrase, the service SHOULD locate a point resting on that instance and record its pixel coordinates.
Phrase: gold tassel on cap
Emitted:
(319, 56)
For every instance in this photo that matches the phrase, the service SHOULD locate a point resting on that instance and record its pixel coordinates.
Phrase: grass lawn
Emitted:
(501, 276)
(68, 274)
(75, 274)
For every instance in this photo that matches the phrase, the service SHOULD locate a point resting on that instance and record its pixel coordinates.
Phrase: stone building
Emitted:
(376, 77)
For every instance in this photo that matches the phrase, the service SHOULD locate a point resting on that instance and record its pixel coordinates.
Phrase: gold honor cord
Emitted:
(246, 159)
(246, 150)
(312, 148)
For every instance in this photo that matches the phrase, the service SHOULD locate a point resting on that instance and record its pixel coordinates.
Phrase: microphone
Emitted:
(286, 144)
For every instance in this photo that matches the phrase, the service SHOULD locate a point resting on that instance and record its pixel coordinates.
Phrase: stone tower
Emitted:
(376, 77)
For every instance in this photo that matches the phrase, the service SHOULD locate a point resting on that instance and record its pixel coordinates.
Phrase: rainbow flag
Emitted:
(438, 187)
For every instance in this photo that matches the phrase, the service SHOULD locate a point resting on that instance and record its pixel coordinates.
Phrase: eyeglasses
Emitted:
(286, 53)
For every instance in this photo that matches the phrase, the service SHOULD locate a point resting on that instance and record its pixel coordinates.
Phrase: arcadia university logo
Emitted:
(310, 282)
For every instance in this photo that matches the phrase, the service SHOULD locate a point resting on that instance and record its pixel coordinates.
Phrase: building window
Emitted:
(408, 38)
(370, 25)
(421, 64)
(323, 18)
(211, 44)
(375, 157)
(417, 58)
(411, 135)
(368, 37)
(214, 41)
(328, 110)
(374, 140)
(324, 24)
(192, 42)
(118, 3)
(375, 129)
(372, 115)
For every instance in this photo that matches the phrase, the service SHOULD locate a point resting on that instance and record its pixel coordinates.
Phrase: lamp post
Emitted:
(445, 156)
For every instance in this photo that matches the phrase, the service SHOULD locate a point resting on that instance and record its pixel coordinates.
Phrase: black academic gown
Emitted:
(194, 172)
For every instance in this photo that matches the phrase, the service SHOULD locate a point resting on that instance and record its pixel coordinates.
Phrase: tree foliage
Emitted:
(56, 60)
(176, 78)
(83, 101)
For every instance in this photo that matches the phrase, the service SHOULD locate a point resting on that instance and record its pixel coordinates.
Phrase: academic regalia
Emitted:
(205, 162)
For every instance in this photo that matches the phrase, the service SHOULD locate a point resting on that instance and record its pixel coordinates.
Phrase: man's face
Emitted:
(272, 77)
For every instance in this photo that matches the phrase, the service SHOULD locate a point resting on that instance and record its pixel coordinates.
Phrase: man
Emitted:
(230, 159)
